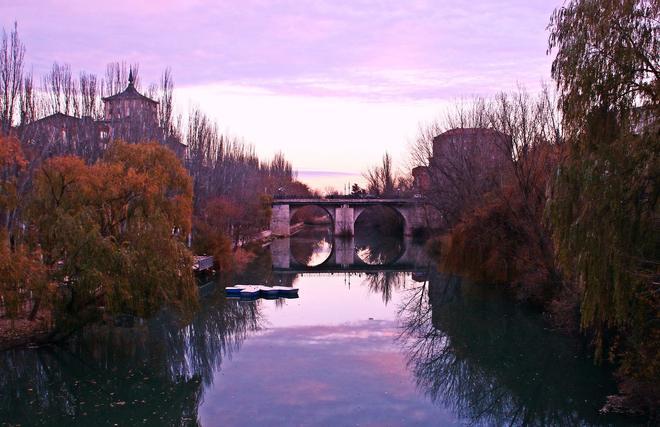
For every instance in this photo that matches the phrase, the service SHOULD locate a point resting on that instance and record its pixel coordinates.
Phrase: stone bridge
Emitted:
(344, 212)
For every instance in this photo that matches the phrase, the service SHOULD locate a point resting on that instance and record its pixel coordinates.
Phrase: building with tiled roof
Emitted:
(130, 104)
(127, 115)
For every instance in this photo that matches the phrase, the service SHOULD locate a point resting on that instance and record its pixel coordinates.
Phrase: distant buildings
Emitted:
(130, 104)
(480, 149)
(128, 115)
(465, 164)
(463, 153)
(421, 178)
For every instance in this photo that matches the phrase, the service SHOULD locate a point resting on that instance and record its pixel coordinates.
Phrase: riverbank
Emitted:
(24, 332)
(560, 310)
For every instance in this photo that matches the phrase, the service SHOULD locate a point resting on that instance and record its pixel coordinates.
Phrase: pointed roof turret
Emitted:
(130, 92)
(131, 80)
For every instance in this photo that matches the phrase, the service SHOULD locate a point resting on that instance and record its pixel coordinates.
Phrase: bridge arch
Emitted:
(329, 212)
(359, 211)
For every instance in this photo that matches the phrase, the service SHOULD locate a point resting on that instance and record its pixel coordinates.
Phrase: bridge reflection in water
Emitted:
(331, 254)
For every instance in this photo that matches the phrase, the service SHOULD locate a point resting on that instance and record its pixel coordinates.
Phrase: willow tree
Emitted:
(22, 276)
(115, 231)
(604, 208)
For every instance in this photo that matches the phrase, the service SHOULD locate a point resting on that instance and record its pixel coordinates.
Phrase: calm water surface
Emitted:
(377, 337)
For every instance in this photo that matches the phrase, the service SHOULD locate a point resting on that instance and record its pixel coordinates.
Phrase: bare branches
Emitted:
(116, 77)
(166, 90)
(90, 96)
(61, 91)
(12, 54)
(380, 178)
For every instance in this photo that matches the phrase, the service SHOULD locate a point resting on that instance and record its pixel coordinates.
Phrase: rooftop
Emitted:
(129, 93)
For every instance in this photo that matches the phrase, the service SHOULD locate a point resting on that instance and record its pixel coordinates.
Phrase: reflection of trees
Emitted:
(375, 249)
(260, 271)
(385, 283)
(310, 241)
(491, 362)
(152, 371)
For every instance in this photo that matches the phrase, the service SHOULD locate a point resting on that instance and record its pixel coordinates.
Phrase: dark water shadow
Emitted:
(375, 248)
(152, 373)
(494, 363)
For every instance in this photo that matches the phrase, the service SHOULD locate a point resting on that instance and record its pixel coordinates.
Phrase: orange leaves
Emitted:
(61, 182)
(131, 183)
(11, 154)
(11, 163)
(22, 277)
(158, 180)
(220, 211)
(116, 228)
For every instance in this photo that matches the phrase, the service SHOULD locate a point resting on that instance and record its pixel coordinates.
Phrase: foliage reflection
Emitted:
(151, 373)
(374, 249)
(493, 363)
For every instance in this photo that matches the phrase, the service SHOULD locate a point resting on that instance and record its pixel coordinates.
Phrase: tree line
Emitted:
(559, 200)
(92, 226)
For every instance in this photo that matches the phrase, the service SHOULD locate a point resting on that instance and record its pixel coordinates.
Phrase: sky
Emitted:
(331, 83)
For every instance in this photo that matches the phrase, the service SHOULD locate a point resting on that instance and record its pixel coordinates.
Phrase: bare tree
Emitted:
(116, 77)
(61, 91)
(380, 178)
(27, 101)
(463, 114)
(166, 90)
(462, 157)
(12, 54)
(90, 99)
(490, 175)
(532, 148)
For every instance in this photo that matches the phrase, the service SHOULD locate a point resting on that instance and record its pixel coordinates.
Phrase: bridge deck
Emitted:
(348, 200)
(353, 270)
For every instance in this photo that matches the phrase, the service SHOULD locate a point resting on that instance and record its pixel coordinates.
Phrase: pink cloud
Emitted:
(272, 43)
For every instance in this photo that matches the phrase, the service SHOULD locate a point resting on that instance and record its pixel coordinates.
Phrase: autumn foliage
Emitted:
(505, 239)
(573, 226)
(22, 275)
(219, 226)
(115, 230)
(108, 235)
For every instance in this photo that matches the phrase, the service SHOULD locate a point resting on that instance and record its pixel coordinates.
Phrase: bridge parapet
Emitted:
(353, 201)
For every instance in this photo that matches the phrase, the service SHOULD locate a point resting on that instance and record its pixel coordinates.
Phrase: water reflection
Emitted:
(374, 249)
(312, 245)
(493, 363)
(387, 346)
(152, 373)
(385, 283)
(316, 246)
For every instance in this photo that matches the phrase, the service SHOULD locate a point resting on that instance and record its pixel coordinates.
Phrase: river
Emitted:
(376, 337)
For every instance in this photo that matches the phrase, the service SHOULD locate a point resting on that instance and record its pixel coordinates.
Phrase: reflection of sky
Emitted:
(330, 300)
(321, 361)
(321, 253)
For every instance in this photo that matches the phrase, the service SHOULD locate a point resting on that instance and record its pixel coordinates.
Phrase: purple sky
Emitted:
(285, 73)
